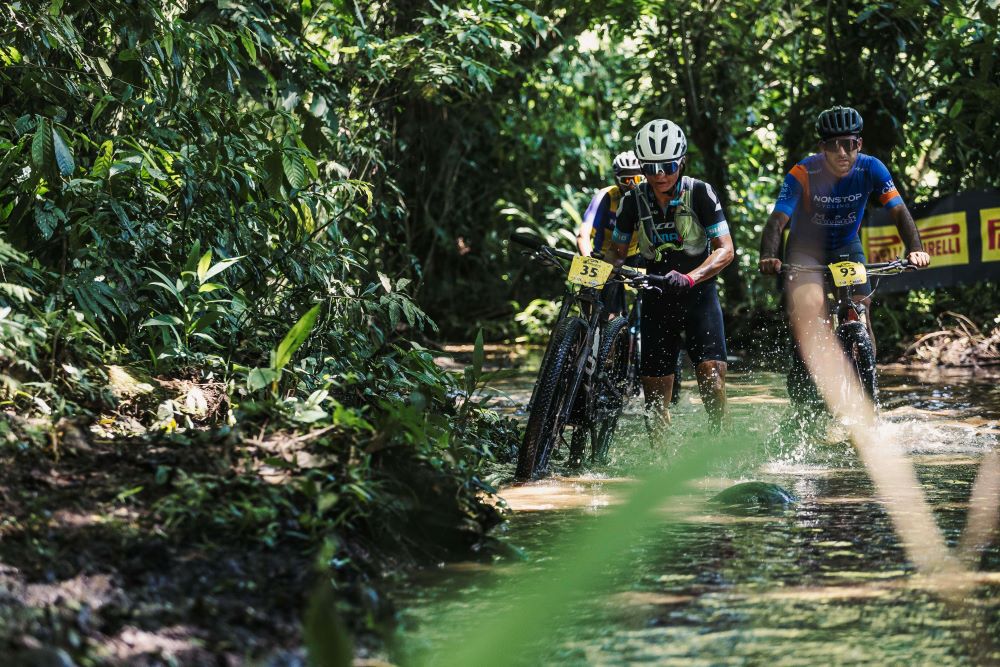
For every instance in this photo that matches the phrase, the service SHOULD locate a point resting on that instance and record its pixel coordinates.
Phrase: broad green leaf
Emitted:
(273, 170)
(296, 336)
(64, 154)
(261, 377)
(295, 171)
(386, 283)
(956, 108)
(102, 164)
(310, 415)
(162, 321)
(55, 7)
(219, 267)
(203, 265)
(248, 44)
(210, 287)
(41, 147)
(478, 355)
(168, 44)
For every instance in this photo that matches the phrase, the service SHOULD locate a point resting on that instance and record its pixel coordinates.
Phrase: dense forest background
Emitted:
(255, 217)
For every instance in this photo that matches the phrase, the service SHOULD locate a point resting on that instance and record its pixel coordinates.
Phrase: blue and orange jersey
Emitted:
(602, 215)
(820, 204)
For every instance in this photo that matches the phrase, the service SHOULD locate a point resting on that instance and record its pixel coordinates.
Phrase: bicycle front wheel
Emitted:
(613, 390)
(858, 346)
(555, 379)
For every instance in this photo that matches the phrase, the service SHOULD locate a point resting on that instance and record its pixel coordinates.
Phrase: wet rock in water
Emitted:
(754, 495)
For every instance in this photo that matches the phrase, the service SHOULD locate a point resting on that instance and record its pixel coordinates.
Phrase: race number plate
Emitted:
(848, 273)
(588, 271)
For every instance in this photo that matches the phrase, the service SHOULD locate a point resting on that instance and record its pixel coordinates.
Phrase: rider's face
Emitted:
(841, 153)
(628, 182)
(663, 183)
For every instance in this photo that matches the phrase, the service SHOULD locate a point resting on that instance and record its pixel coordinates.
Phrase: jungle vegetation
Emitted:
(241, 227)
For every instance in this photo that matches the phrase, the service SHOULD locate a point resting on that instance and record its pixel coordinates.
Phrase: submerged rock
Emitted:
(754, 495)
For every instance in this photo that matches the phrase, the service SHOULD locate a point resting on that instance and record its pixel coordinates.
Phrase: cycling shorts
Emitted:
(695, 317)
(851, 252)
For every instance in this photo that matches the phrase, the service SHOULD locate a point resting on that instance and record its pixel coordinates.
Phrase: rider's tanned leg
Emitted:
(657, 391)
(712, 386)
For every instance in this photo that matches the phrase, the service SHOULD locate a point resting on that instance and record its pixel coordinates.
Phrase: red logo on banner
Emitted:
(993, 230)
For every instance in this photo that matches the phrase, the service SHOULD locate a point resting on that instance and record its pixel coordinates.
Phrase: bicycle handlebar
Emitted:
(901, 264)
(536, 244)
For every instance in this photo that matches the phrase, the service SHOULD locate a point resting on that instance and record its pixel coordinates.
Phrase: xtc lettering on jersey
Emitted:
(821, 204)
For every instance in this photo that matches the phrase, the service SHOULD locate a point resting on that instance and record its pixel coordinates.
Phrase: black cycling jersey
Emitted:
(706, 206)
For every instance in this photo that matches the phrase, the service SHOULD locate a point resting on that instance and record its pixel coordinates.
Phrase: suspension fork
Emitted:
(567, 302)
(586, 354)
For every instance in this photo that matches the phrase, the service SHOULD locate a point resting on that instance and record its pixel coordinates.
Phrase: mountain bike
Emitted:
(849, 321)
(584, 375)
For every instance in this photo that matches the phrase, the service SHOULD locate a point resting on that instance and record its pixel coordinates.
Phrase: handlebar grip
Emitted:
(527, 240)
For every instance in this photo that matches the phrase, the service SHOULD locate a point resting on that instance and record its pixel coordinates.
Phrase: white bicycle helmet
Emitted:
(660, 140)
(626, 164)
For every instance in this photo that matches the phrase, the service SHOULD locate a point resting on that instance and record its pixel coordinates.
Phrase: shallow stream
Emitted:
(823, 581)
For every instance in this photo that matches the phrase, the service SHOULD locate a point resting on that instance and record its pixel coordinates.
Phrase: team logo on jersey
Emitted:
(827, 220)
(837, 200)
(888, 187)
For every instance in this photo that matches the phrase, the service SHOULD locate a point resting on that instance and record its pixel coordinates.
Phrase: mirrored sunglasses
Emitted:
(654, 168)
(849, 144)
(629, 180)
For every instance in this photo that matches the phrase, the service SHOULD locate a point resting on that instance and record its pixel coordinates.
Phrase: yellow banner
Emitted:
(945, 239)
(989, 219)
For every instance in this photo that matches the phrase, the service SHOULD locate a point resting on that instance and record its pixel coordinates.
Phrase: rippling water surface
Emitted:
(824, 581)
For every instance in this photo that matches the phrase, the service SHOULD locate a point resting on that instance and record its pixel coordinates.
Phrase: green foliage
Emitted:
(197, 309)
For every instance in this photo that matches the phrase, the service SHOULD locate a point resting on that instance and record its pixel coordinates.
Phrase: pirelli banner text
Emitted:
(961, 233)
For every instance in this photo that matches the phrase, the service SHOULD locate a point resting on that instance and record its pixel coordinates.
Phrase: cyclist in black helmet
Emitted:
(824, 198)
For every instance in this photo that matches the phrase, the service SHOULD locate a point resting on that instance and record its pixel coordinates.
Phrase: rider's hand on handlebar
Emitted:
(919, 259)
(770, 265)
(678, 282)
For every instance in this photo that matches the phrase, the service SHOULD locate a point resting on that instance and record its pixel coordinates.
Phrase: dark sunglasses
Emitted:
(654, 168)
(849, 145)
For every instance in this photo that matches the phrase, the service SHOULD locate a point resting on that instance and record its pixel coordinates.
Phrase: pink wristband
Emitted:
(690, 279)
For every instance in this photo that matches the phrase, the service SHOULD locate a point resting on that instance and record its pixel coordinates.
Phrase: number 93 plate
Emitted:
(848, 273)
(588, 271)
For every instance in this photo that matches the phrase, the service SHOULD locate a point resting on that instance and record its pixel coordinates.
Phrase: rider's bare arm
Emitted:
(722, 254)
(583, 239)
(911, 237)
(617, 252)
(770, 243)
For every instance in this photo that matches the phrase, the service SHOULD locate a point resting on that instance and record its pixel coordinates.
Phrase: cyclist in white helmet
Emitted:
(599, 223)
(683, 235)
(599, 219)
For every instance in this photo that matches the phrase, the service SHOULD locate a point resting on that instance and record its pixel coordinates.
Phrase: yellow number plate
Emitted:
(588, 271)
(848, 273)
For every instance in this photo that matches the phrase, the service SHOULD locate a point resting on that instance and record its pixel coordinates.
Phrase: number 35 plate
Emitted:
(848, 273)
(588, 271)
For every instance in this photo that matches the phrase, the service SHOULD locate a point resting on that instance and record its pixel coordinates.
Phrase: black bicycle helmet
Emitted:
(838, 121)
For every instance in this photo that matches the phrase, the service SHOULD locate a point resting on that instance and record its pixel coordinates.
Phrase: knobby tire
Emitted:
(612, 383)
(554, 380)
(858, 346)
